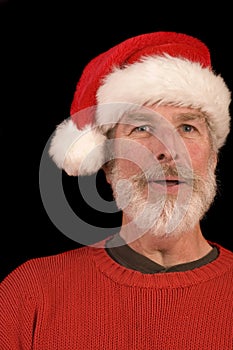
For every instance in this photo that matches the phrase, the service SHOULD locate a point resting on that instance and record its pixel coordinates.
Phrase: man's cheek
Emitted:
(133, 156)
(127, 168)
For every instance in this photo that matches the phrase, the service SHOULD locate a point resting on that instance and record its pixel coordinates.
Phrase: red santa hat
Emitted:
(161, 67)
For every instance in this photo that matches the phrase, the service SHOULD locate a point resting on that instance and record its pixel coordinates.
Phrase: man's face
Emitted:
(163, 170)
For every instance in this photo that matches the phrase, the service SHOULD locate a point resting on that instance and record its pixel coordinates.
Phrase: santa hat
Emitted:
(161, 67)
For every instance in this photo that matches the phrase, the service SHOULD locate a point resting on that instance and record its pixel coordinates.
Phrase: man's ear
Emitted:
(106, 171)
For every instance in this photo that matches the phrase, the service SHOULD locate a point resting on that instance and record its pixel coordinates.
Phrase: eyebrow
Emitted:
(138, 117)
(191, 116)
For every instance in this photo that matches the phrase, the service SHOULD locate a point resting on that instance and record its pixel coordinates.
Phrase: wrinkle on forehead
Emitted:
(150, 117)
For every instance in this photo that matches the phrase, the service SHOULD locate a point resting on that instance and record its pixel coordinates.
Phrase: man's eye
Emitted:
(188, 128)
(142, 128)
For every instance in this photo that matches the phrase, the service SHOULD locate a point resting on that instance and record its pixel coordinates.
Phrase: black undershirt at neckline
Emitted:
(122, 253)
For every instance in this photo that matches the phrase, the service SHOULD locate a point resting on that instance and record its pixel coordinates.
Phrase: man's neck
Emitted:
(172, 250)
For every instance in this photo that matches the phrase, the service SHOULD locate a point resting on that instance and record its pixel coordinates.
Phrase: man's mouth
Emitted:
(168, 182)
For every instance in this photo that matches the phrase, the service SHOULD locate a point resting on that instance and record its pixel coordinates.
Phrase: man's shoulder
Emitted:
(226, 252)
(60, 259)
(50, 266)
(225, 258)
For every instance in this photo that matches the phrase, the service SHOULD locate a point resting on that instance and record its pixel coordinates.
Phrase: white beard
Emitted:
(160, 214)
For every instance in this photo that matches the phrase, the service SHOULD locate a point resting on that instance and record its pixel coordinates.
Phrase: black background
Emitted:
(44, 48)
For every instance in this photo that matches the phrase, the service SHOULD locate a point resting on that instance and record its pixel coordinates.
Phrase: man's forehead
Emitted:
(152, 116)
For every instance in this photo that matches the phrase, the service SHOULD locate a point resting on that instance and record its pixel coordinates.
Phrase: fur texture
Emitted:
(167, 80)
(70, 148)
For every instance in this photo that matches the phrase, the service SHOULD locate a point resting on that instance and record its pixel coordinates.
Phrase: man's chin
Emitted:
(163, 219)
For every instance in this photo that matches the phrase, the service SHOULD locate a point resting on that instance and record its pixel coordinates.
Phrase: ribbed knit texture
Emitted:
(83, 300)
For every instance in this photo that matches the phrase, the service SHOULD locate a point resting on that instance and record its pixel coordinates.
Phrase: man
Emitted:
(152, 113)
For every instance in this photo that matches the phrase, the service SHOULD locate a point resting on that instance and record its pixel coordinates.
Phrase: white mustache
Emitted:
(158, 172)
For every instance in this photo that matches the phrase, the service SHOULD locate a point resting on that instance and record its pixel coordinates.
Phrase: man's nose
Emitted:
(168, 146)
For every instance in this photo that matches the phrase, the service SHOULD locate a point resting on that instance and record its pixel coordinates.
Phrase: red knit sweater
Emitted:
(82, 299)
